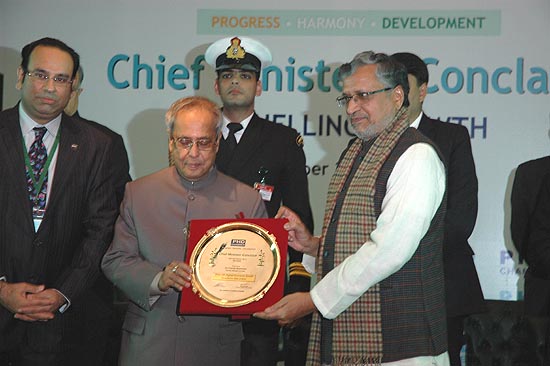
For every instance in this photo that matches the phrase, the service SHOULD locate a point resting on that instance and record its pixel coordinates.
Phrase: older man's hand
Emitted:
(299, 236)
(289, 309)
(176, 275)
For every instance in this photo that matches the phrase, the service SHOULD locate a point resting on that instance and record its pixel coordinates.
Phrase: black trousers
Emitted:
(537, 295)
(261, 342)
(296, 341)
(455, 338)
(24, 356)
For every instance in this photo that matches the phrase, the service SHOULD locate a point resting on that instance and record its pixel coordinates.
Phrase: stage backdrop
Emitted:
(488, 63)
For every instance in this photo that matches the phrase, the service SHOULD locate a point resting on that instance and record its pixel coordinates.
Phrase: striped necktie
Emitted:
(38, 156)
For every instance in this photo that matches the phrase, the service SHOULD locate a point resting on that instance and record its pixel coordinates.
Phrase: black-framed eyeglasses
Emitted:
(344, 100)
(42, 77)
(187, 143)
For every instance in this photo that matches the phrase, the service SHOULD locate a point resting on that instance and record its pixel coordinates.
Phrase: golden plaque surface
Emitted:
(234, 264)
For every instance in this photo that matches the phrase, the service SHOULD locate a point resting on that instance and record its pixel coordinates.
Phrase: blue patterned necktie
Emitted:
(37, 157)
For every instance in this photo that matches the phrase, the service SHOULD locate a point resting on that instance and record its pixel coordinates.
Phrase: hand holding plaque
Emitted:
(237, 266)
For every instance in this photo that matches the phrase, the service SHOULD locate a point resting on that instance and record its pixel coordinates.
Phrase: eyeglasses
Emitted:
(344, 100)
(42, 77)
(187, 143)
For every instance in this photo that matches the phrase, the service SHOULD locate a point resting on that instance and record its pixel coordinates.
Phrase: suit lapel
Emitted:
(251, 139)
(249, 143)
(425, 126)
(69, 150)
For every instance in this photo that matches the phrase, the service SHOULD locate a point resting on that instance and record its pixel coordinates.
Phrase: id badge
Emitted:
(266, 191)
(37, 216)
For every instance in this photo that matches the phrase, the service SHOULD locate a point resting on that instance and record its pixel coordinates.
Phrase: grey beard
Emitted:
(373, 131)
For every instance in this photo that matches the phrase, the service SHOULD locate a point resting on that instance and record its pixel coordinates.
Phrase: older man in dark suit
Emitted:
(101, 335)
(119, 167)
(57, 211)
(462, 288)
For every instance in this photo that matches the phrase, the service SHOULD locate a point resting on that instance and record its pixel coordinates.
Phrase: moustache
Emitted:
(48, 96)
(356, 115)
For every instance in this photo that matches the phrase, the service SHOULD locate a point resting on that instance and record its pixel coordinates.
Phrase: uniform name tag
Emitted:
(266, 191)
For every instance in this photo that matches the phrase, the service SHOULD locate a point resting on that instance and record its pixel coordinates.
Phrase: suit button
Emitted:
(191, 197)
(181, 319)
(38, 243)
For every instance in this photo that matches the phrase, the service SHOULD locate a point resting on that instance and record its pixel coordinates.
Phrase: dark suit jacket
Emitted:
(66, 251)
(536, 246)
(275, 147)
(462, 288)
(119, 167)
(103, 326)
(525, 191)
(530, 226)
(537, 235)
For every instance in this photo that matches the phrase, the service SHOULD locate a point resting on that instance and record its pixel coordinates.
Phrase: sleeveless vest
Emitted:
(404, 315)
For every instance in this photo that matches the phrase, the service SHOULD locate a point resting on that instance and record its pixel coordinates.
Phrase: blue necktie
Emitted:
(37, 157)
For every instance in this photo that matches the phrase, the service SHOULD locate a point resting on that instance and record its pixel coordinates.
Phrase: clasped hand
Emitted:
(30, 302)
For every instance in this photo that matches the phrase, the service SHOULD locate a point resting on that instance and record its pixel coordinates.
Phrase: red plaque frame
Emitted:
(191, 303)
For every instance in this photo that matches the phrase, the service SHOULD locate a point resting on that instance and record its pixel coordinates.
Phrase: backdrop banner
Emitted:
(488, 63)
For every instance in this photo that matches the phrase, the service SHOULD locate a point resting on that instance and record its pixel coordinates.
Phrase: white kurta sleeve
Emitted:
(415, 189)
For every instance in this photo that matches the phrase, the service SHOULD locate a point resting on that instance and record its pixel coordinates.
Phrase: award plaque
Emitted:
(238, 266)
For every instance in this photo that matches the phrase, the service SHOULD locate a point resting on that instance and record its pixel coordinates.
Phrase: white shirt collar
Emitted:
(27, 124)
(416, 122)
(238, 134)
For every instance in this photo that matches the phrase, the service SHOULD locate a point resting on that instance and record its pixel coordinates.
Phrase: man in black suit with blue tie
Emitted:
(56, 222)
(462, 288)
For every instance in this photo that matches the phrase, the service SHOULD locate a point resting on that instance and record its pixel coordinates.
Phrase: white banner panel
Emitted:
(488, 63)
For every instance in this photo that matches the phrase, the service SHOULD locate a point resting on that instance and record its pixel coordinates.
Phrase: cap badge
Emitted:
(235, 51)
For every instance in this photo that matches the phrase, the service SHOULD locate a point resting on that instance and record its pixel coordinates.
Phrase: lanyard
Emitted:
(38, 185)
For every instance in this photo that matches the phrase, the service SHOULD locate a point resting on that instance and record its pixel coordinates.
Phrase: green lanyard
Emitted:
(38, 185)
